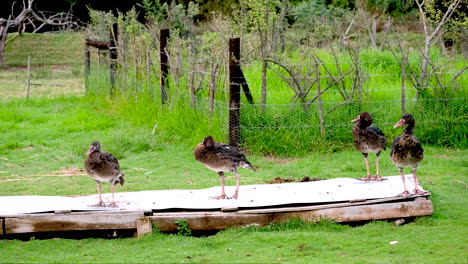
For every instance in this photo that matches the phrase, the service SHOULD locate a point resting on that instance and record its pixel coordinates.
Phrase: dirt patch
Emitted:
(308, 179)
(283, 180)
(443, 156)
(279, 160)
(62, 172)
(28, 148)
(72, 171)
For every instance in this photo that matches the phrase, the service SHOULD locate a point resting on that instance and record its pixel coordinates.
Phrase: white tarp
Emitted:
(260, 195)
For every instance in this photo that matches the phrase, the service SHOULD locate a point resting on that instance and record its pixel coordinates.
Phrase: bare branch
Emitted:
(29, 17)
(458, 74)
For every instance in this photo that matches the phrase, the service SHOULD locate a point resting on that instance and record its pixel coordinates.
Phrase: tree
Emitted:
(266, 18)
(373, 13)
(28, 17)
(431, 35)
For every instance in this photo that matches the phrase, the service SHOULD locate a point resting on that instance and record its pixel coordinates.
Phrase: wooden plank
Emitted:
(418, 207)
(71, 221)
(324, 206)
(143, 226)
(224, 220)
(208, 220)
(2, 226)
(332, 191)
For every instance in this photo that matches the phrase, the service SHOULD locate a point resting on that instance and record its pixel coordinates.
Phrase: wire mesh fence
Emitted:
(43, 65)
(298, 105)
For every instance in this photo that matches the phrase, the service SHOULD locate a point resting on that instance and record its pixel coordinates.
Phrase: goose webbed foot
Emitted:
(113, 204)
(99, 204)
(223, 196)
(378, 178)
(404, 194)
(421, 192)
(367, 178)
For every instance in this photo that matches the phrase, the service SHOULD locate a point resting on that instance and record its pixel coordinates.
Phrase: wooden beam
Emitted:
(164, 35)
(2, 226)
(351, 213)
(208, 220)
(144, 226)
(331, 205)
(95, 220)
(72, 221)
(103, 45)
(419, 207)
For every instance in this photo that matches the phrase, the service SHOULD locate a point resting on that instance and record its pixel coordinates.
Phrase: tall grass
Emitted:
(283, 128)
(174, 121)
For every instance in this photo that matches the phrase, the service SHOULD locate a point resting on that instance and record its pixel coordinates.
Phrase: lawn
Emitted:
(43, 141)
(42, 149)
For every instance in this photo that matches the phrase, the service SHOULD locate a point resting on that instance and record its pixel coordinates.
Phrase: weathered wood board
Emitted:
(30, 223)
(352, 213)
(250, 196)
(341, 199)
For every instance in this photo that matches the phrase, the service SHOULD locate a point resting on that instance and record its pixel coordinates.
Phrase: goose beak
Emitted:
(91, 150)
(356, 119)
(400, 123)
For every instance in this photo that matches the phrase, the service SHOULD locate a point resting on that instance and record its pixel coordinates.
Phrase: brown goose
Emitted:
(103, 167)
(221, 158)
(368, 139)
(407, 152)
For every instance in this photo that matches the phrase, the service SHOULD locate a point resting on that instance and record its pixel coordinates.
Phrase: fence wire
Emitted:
(298, 111)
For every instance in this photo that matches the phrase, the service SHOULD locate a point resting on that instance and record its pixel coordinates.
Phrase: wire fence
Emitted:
(296, 103)
(43, 65)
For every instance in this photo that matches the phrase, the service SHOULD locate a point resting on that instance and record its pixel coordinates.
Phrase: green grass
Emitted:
(44, 139)
(43, 142)
(314, 244)
(45, 49)
(56, 70)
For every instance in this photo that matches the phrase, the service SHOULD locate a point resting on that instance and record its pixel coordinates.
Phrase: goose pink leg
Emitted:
(100, 203)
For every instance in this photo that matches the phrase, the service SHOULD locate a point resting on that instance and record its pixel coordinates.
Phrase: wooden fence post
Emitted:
(113, 56)
(87, 64)
(164, 35)
(234, 91)
(403, 89)
(29, 78)
(319, 98)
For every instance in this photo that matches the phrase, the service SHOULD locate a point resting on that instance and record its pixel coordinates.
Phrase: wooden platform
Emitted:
(341, 199)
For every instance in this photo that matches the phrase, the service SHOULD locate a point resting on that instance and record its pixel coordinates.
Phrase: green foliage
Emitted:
(175, 16)
(183, 229)
(41, 137)
(436, 9)
(316, 20)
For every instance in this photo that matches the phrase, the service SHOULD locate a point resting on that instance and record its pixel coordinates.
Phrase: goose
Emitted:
(368, 139)
(407, 151)
(222, 158)
(103, 167)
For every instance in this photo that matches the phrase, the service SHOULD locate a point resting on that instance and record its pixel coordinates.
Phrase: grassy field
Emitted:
(42, 152)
